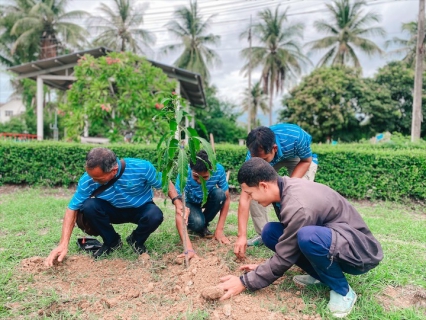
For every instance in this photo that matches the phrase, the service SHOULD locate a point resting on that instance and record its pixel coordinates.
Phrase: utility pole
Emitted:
(250, 107)
(418, 79)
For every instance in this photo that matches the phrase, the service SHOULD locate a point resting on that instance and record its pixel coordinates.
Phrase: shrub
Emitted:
(353, 170)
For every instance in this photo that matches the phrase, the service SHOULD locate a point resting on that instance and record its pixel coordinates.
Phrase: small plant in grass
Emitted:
(178, 144)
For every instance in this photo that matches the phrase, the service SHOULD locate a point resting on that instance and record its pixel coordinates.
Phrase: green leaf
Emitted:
(179, 116)
(204, 188)
(209, 150)
(173, 147)
(173, 125)
(193, 149)
(192, 132)
(182, 168)
(203, 127)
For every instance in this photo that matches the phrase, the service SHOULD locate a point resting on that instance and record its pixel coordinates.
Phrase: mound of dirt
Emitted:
(146, 289)
(403, 297)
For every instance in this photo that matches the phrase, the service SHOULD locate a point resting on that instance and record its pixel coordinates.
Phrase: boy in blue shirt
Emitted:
(282, 145)
(218, 200)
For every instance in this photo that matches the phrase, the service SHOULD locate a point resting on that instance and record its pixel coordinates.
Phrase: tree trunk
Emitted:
(418, 80)
(271, 95)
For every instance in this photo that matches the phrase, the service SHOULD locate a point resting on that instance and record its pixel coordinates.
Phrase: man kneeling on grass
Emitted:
(218, 200)
(319, 231)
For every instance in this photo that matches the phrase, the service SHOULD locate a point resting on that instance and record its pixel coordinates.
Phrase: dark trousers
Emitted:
(314, 243)
(198, 220)
(102, 215)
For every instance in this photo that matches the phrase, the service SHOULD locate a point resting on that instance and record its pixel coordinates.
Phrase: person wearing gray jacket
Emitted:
(319, 231)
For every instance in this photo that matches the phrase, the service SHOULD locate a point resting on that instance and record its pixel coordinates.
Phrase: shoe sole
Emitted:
(344, 314)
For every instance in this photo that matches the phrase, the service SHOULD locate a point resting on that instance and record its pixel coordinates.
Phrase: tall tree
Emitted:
(190, 28)
(347, 29)
(119, 27)
(256, 100)
(278, 53)
(407, 46)
(44, 24)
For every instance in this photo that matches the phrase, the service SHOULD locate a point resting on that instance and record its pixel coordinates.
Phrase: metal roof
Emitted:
(191, 86)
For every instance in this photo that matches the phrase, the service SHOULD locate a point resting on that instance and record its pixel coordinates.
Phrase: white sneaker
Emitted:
(305, 280)
(254, 242)
(340, 306)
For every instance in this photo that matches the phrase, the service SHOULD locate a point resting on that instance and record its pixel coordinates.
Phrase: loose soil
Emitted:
(145, 289)
(165, 289)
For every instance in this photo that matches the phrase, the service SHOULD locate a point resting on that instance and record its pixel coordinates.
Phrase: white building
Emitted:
(11, 108)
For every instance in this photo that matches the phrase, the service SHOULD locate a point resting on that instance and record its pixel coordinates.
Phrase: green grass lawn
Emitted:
(31, 221)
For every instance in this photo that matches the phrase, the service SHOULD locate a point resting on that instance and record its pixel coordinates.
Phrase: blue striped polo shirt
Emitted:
(292, 142)
(193, 190)
(132, 190)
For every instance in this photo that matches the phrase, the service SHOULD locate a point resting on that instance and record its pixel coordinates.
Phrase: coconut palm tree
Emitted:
(119, 27)
(256, 100)
(9, 14)
(278, 54)
(46, 24)
(190, 28)
(408, 46)
(347, 29)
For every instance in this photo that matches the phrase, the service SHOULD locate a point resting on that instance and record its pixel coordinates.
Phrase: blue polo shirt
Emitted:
(193, 190)
(132, 190)
(292, 142)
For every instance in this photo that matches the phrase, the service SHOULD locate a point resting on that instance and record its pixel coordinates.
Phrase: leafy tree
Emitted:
(335, 103)
(220, 119)
(118, 92)
(347, 29)
(407, 46)
(120, 29)
(255, 99)
(278, 54)
(43, 24)
(398, 78)
(190, 28)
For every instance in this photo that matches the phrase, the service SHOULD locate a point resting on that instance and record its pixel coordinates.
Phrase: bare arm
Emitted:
(61, 250)
(179, 219)
(222, 218)
(301, 168)
(243, 215)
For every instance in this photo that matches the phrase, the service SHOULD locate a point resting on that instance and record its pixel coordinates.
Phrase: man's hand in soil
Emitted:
(240, 247)
(232, 286)
(248, 267)
(58, 253)
(219, 236)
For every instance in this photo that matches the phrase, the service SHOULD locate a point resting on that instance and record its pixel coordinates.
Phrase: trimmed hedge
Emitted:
(355, 172)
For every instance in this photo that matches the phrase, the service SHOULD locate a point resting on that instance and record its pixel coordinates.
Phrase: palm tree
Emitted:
(347, 28)
(120, 29)
(46, 24)
(256, 100)
(408, 46)
(190, 28)
(279, 53)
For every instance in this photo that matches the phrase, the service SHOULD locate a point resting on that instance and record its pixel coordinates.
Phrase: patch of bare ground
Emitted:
(403, 297)
(147, 289)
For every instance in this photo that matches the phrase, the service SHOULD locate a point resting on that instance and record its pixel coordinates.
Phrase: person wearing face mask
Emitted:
(218, 200)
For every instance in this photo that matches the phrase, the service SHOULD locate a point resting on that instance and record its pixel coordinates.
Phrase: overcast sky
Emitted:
(233, 16)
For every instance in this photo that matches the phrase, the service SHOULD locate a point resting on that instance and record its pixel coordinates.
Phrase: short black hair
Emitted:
(101, 157)
(201, 164)
(256, 170)
(261, 138)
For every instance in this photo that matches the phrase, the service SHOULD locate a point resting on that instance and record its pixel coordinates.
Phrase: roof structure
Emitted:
(58, 73)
